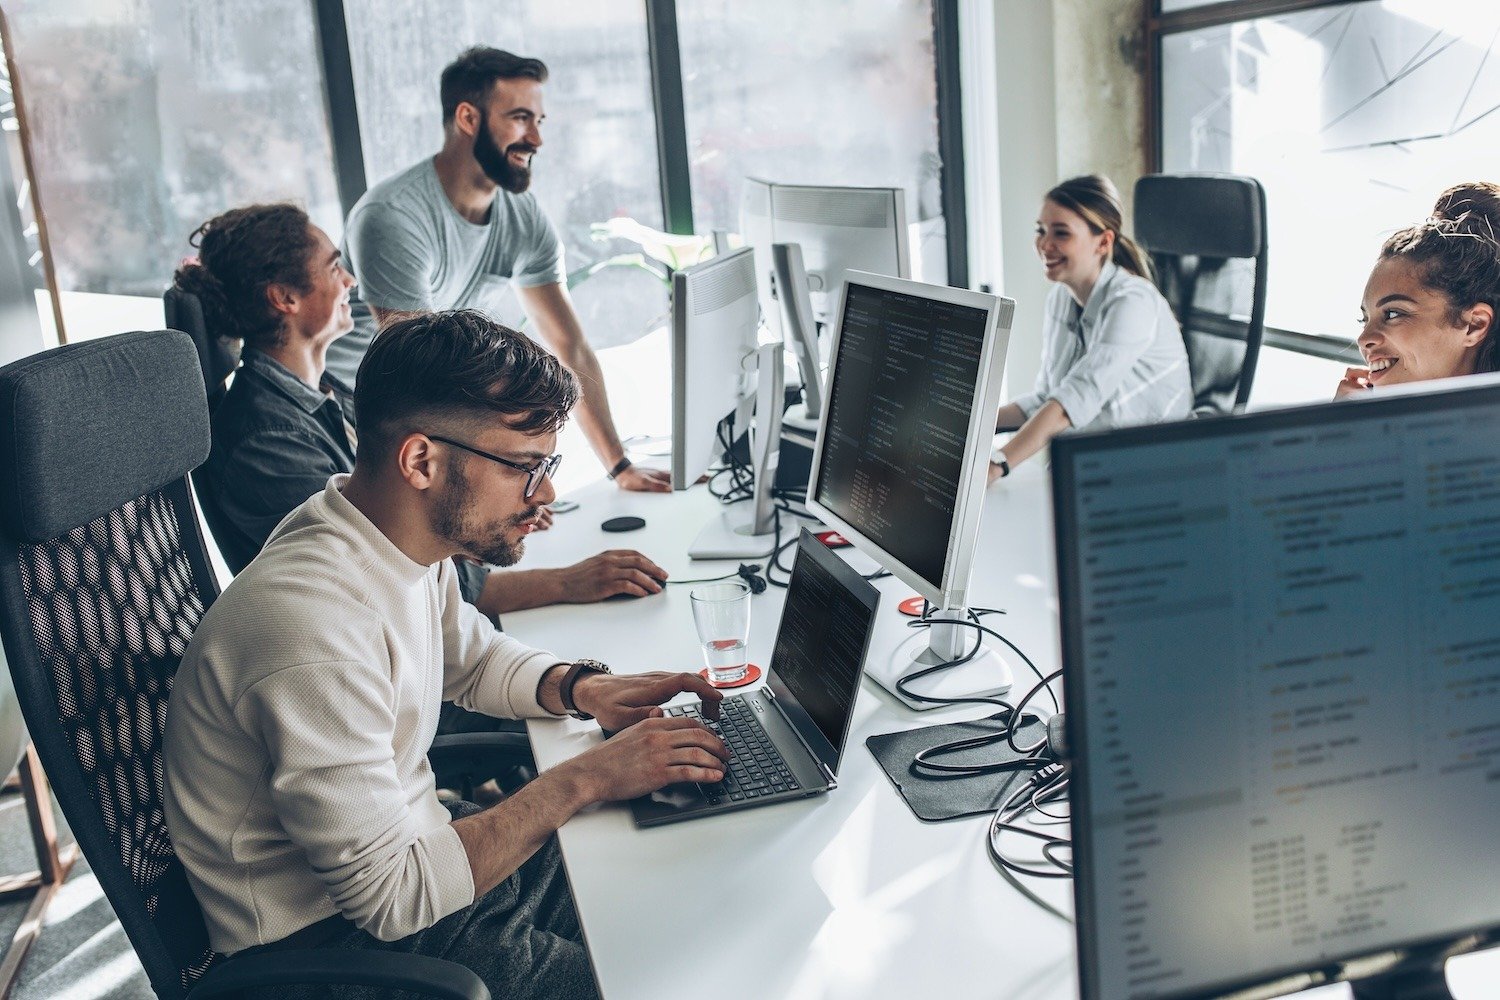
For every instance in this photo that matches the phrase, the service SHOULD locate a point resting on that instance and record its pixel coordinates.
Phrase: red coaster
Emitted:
(833, 539)
(912, 606)
(751, 676)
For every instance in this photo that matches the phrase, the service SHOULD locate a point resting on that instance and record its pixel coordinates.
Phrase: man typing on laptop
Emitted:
(298, 792)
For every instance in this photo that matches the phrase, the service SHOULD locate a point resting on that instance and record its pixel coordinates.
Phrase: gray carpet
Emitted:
(82, 952)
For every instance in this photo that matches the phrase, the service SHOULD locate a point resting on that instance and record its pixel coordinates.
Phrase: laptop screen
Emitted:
(821, 645)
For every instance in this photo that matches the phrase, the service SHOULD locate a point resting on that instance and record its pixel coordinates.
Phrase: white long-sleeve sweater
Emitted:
(297, 782)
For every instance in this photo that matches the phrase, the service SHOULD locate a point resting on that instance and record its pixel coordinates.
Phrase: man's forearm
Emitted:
(520, 589)
(593, 412)
(500, 839)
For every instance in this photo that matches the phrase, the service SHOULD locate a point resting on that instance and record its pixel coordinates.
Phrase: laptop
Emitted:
(788, 736)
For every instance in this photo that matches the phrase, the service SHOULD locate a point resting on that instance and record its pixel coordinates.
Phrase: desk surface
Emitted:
(842, 895)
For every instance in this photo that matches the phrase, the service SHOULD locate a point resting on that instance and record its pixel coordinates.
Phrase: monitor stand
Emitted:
(987, 675)
(800, 332)
(748, 531)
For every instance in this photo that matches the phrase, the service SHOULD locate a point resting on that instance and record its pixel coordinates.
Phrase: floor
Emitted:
(82, 952)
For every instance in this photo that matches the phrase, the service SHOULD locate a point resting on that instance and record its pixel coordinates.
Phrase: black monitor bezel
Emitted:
(1066, 451)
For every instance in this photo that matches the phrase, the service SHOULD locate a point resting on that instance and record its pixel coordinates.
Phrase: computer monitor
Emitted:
(1281, 652)
(901, 458)
(717, 375)
(806, 239)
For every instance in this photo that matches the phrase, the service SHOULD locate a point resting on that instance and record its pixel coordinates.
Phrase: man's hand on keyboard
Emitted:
(647, 756)
(620, 701)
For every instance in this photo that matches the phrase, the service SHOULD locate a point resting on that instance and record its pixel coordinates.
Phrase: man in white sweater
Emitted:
(298, 792)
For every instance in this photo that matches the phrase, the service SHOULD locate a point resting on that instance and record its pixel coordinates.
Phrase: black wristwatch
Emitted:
(997, 457)
(570, 680)
(620, 467)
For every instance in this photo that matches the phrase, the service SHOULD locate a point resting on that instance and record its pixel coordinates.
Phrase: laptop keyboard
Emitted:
(755, 769)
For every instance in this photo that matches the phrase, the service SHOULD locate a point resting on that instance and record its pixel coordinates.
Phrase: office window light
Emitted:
(147, 118)
(1354, 116)
(838, 93)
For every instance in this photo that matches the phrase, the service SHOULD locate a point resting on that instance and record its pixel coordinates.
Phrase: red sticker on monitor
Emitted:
(832, 539)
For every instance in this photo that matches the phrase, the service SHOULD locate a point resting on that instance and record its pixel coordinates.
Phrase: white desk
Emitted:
(840, 896)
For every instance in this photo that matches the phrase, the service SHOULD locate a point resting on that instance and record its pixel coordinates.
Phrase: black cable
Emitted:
(1030, 757)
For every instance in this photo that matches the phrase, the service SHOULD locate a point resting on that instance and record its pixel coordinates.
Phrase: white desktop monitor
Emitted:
(902, 454)
(1280, 634)
(713, 359)
(807, 238)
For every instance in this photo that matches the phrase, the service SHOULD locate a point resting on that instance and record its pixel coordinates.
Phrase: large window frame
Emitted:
(1158, 26)
(671, 119)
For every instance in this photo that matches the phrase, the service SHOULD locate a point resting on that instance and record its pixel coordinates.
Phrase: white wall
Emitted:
(1017, 149)
(1052, 88)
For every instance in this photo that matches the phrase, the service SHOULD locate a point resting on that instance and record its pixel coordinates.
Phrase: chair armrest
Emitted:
(433, 977)
(519, 743)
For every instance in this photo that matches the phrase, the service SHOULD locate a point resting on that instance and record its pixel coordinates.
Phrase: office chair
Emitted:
(103, 578)
(218, 356)
(1206, 234)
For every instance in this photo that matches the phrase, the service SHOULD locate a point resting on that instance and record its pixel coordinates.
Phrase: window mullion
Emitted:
(671, 116)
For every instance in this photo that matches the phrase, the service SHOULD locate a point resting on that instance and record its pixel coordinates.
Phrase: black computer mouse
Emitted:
(618, 524)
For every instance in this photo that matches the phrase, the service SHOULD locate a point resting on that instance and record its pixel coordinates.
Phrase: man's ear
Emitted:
(418, 460)
(468, 118)
(1479, 322)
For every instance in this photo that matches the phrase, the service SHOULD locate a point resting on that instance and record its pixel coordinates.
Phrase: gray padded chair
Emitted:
(103, 578)
(1206, 234)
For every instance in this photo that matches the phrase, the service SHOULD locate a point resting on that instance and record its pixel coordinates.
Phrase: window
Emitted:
(599, 158)
(831, 93)
(148, 118)
(1354, 116)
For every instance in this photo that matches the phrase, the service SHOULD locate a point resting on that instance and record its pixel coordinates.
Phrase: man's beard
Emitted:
(495, 162)
(486, 542)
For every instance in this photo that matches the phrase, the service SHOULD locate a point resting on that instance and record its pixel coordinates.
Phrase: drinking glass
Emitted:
(722, 613)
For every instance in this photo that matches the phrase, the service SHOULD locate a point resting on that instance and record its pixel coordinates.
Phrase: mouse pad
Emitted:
(934, 797)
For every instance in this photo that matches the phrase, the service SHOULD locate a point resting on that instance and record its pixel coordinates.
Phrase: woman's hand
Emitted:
(1356, 380)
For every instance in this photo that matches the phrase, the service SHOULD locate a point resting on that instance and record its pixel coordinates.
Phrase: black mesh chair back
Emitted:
(1206, 234)
(103, 578)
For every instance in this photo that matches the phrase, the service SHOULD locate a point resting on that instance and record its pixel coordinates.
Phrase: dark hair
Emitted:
(470, 76)
(1473, 196)
(240, 254)
(1097, 201)
(1457, 253)
(459, 365)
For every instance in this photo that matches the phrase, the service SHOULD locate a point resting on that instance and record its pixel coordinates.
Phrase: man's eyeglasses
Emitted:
(534, 473)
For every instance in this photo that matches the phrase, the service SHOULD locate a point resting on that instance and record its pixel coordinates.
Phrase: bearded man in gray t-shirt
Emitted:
(451, 232)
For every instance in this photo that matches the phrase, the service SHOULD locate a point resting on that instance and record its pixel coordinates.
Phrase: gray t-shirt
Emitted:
(410, 250)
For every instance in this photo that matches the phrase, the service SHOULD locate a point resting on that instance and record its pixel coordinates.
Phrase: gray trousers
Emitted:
(522, 938)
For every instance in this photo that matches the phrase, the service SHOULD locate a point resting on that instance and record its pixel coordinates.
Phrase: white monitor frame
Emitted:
(827, 231)
(952, 590)
(713, 358)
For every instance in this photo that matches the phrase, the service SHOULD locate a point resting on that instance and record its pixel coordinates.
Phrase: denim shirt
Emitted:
(276, 442)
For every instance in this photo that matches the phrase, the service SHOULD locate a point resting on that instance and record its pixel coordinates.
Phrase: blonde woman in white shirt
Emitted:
(1112, 352)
